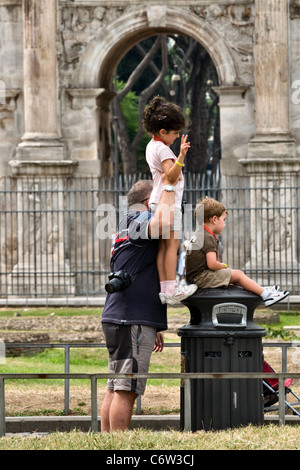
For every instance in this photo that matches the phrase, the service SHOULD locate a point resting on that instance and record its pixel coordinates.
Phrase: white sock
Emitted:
(170, 287)
(265, 294)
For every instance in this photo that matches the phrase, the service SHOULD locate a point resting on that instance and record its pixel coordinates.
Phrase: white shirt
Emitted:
(156, 153)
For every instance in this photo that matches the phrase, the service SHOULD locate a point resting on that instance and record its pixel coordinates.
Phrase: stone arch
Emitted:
(101, 57)
(103, 54)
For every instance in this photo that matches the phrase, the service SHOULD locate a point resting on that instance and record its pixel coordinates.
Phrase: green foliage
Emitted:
(280, 333)
(129, 106)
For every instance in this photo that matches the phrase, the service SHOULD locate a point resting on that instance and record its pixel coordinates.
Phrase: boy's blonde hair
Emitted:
(211, 208)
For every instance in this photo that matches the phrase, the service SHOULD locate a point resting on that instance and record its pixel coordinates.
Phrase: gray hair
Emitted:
(140, 191)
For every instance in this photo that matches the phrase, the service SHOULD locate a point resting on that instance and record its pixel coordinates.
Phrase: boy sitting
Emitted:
(202, 265)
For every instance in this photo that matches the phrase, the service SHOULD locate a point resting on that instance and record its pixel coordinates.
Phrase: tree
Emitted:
(154, 63)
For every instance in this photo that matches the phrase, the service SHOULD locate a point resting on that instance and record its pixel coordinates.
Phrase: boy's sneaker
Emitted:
(181, 293)
(273, 287)
(275, 296)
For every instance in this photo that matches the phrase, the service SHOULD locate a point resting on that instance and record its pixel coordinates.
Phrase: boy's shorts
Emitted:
(130, 348)
(213, 279)
(177, 222)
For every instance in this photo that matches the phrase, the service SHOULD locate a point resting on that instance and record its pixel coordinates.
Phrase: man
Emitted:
(133, 318)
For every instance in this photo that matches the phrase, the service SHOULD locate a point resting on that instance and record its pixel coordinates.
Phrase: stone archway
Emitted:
(99, 61)
(104, 53)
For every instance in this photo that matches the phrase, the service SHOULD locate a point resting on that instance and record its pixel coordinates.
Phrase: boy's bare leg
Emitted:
(238, 277)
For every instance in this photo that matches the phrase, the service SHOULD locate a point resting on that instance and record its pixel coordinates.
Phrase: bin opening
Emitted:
(235, 318)
(213, 354)
(229, 314)
(244, 354)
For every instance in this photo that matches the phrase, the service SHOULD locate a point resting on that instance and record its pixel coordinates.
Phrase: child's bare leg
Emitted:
(170, 262)
(172, 245)
(160, 260)
(238, 277)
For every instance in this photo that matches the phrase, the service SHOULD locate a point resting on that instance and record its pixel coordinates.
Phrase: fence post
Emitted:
(281, 401)
(67, 381)
(187, 405)
(2, 409)
(94, 405)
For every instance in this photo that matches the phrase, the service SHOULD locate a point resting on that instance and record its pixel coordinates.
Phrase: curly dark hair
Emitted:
(160, 114)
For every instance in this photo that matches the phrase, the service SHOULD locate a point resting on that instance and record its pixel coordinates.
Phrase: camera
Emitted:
(117, 281)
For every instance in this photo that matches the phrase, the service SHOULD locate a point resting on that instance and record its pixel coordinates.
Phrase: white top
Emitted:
(156, 153)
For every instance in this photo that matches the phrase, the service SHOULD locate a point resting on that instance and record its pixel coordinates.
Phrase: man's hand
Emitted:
(159, 343)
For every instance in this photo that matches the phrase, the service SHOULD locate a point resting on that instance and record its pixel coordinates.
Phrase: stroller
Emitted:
(271, 394)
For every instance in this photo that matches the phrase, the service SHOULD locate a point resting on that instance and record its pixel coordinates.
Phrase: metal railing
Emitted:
(55, 232)
(185, 377)
(67, 376)
(68, 346)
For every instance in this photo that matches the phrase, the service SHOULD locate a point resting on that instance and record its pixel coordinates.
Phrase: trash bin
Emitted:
(222, 337)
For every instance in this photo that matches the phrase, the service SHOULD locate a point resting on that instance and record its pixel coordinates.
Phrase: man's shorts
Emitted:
(130, 348)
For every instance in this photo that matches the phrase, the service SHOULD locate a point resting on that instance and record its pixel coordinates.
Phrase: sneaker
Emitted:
(275, 296)
(163, 297)
(181, 293)
(273, 287)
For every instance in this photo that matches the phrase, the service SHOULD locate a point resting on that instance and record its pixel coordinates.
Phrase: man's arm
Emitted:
(163, 218)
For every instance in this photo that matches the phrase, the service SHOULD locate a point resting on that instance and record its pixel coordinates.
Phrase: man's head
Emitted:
(140, 193)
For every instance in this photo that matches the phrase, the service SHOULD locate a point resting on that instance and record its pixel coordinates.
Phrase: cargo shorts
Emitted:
(130, 348)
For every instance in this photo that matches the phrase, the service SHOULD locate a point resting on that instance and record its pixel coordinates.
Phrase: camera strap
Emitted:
(122, 240)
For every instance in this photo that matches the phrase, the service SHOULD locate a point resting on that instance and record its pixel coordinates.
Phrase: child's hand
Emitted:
(184, 146)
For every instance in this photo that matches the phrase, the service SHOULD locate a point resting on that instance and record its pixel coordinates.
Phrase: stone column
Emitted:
(39, 163)
(272, 138)
(41, 143)
(272, 161)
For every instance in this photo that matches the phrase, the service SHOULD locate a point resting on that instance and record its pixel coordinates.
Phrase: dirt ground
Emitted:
(23, 399)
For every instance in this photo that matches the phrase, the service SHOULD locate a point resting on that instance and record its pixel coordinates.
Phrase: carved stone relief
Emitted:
(235, 24)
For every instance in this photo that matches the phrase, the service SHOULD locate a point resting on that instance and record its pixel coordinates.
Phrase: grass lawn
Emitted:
(268, 437)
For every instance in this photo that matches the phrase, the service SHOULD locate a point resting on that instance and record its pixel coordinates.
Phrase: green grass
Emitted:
(268, 437)
(288, 319)
(44, 312)
(90, 360)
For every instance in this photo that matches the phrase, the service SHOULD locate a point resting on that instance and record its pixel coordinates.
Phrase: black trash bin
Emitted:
(222, 337)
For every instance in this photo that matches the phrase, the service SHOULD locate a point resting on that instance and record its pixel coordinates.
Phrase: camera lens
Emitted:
(113, 285)
(117, 281)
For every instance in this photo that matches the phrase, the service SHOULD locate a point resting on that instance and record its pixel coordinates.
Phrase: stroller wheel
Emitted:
(270, 400)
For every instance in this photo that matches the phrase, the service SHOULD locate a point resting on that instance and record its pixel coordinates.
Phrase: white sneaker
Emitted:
(273, 287)
(181, 293)
(275, 296)
(162, 297)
